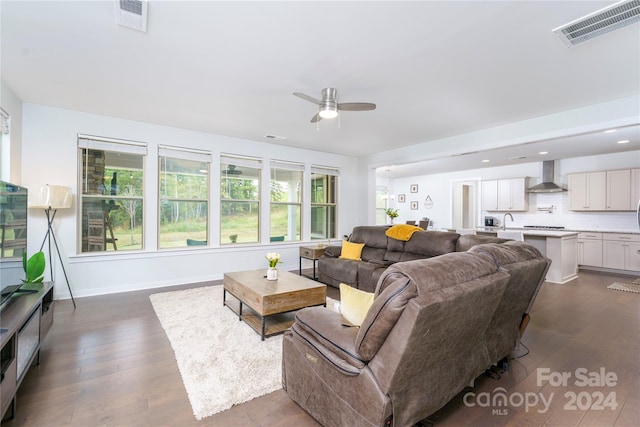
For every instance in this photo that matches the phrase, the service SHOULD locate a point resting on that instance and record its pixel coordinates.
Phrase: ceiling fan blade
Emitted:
(307, 98)
(356, 106)
(316, 118)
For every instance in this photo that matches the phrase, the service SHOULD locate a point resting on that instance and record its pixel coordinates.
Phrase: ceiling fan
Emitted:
(329, 105)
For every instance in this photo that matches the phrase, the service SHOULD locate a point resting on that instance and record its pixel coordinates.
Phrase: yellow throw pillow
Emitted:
(354, 305)
(351, 250)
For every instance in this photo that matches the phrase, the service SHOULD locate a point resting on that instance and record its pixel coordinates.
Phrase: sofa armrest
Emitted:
(332, 251)
(323, 329)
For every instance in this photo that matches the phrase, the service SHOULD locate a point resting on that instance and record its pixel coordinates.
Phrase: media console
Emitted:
(25, 321)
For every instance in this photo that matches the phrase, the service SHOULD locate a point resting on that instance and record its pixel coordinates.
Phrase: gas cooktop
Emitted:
(545, 227)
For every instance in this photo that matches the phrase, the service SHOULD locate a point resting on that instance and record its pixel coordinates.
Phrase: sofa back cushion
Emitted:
(467, 241)
(527, 268)
(382, 316)
(403, 281)
(374, 238)
(429, 244)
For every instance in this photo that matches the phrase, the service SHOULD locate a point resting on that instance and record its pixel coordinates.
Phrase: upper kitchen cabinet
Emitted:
(635, 188)
(615, 190)
(618, 190)
(506, 195)
(490, 195)
(588, 191)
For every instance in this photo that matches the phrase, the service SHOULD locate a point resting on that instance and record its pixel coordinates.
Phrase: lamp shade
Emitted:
(50, 197)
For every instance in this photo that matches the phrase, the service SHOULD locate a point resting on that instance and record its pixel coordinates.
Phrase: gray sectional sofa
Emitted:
(380, 252)
(435, 325)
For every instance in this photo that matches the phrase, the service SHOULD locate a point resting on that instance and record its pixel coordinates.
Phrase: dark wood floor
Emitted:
(109, 363)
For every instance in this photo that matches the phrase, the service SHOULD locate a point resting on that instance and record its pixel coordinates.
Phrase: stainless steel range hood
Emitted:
(547, 185)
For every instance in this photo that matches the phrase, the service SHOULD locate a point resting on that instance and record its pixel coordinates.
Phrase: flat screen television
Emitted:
(13, 238)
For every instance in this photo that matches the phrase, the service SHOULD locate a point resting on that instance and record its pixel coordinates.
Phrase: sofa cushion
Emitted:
(338, 270)
(383, 315)
(351, 250)
(429, 244)
(467, 241)
(354, 304)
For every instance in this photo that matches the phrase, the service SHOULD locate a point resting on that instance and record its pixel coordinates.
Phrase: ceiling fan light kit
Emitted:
(329, 107)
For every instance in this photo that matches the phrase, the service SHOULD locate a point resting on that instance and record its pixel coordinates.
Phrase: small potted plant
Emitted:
(391, 213)
(274, 260)
(233, 238)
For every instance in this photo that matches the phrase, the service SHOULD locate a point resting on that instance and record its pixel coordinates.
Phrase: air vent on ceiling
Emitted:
(603, 21)
(132, 14)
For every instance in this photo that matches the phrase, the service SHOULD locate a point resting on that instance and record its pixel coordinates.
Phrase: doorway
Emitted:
(464, 204)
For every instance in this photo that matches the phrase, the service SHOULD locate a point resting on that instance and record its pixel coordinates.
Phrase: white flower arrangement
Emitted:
(273, 258)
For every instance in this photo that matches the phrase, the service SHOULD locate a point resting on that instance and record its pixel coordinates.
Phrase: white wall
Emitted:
(50, 139)
(10, 155)
(439, 188)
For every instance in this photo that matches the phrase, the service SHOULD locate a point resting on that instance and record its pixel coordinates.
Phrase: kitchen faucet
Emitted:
(504, 220)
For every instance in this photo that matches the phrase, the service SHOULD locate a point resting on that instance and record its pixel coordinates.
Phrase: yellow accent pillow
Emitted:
(354, 305)
(402, 231)
(351, 250)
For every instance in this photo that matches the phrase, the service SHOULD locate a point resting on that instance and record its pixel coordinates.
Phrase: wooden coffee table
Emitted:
(271, 302)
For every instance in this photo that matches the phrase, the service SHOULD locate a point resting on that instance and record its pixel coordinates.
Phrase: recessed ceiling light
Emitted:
(543, 152)
(486, 161)
(610, 130)
(624, 141)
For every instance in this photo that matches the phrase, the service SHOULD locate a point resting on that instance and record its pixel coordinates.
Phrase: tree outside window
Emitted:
(286, 202)
(112, 196)
(239, 200)
(184, 202)
(323, 203)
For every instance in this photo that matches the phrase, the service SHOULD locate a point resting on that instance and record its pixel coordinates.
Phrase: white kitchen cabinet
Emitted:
(512, 195)
(621, 251)
(506, 195)
(587, 191)
(590, 249)
(490, 195)
(618, 190)
(635, 188)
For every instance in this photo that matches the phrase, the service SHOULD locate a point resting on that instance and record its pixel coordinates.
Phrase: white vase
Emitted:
(272, 273)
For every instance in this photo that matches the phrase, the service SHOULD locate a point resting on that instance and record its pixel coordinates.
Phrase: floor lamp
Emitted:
(50, 198)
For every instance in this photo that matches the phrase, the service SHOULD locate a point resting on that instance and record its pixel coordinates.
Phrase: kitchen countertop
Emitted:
(532, 232)
(569, 230)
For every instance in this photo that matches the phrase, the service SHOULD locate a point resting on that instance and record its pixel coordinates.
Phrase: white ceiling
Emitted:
(434, 69)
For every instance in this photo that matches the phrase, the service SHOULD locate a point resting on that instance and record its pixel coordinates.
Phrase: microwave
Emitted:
(490, 221)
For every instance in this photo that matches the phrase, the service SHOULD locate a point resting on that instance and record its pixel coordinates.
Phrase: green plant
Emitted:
(233, 238)
(34, 267)
(391, 213)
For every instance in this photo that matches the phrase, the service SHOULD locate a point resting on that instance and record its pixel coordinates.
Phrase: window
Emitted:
(239, 200)
(324, 184)
(184, 197)
(382, 199)
(286, 201)
(112, 194)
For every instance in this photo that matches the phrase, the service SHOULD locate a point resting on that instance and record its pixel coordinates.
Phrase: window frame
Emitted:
(247, 162)
(97, 143)
(291, 167)
(192, 155)
(327, 172)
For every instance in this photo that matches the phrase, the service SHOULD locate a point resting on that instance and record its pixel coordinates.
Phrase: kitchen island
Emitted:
(560, 246)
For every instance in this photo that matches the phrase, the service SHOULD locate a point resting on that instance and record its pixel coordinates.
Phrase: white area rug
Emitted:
(222, 361)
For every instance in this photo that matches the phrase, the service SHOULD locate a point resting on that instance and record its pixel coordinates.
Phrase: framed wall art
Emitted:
(414, 205)
(401, 198)
(413, 188)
